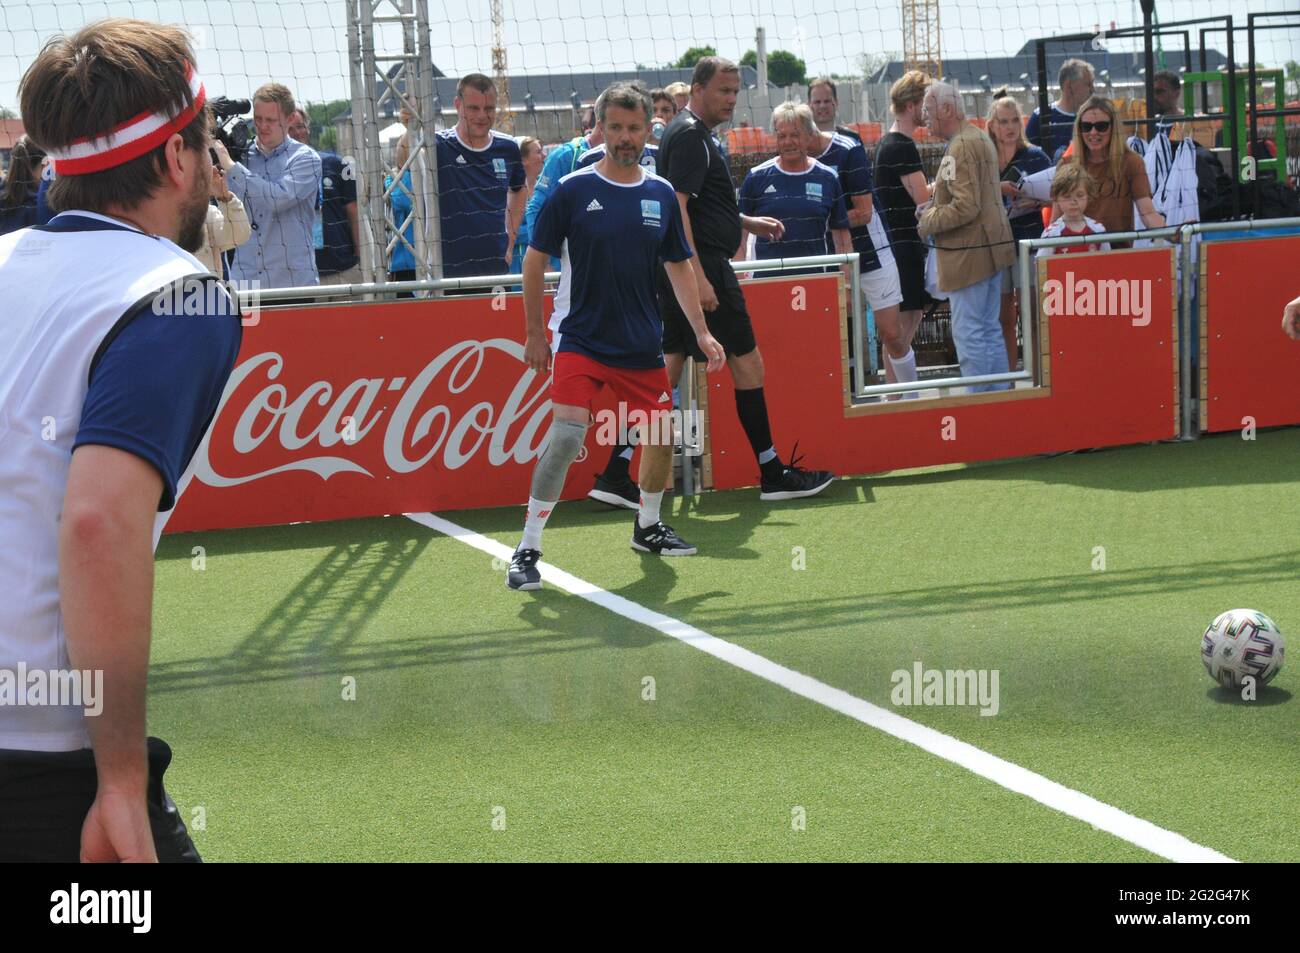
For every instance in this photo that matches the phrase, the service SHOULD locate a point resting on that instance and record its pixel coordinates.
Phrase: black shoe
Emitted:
(660, 540)
(795, 482)
(624, 493)
(523, 572)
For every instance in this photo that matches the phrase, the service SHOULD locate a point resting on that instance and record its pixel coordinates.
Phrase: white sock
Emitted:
(904, 367)
(649, 514)
(539, 511)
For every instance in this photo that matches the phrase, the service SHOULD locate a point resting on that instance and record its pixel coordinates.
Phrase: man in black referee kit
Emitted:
(690, 158)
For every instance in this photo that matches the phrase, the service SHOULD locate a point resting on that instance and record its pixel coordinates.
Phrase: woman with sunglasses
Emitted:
(1118, 171)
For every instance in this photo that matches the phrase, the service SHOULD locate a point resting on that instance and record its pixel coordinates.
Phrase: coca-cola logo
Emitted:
(425, 423)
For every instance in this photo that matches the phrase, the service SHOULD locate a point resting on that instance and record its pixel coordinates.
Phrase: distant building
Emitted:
(1118, 75)
(547, 107)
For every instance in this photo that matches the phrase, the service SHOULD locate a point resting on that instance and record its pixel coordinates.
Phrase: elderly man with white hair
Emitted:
(971, 234)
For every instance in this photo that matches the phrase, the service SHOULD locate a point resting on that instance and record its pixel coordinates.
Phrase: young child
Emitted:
(1071, 189)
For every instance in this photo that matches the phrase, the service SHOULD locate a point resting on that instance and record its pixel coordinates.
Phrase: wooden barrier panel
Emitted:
(1109, 378)
(1250, 370)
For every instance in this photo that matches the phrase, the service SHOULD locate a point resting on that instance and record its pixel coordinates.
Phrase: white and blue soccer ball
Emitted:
(1241, 644)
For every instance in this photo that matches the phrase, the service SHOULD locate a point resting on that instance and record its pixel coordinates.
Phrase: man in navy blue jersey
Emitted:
(799, 192)
(610, 224)
(480, 185)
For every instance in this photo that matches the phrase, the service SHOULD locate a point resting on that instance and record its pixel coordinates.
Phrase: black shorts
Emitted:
(44, 797)
(728, 322)
(910, 257)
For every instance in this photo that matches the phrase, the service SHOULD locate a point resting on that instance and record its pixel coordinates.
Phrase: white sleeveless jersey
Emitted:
(61, 294)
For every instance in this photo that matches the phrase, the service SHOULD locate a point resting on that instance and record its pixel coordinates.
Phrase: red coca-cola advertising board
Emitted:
(366, 409)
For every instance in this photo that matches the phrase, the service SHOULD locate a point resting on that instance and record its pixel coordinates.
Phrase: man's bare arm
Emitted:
(106, 598)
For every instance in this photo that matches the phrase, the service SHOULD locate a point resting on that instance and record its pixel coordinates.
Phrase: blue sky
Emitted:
(304, 44)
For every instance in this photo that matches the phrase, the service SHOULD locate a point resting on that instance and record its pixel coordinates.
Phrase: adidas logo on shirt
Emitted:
(664, 398)
(460, 160)
(595, 206)
(770, 188)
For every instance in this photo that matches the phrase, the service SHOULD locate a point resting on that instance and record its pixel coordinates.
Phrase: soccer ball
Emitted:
(1240, 644)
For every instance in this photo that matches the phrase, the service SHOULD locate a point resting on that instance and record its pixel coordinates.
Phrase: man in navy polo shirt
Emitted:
(335, 234)
(480, 186)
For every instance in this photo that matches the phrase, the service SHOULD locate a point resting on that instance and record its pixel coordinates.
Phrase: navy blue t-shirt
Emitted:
(1028, 159)
(848, 158)
(806, 203)
(473, 185)
(159, 379)
(334, 248)
(649, 156)
(1057, 134)
(610, 238)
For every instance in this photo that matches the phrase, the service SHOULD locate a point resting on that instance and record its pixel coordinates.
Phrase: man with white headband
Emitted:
(115, 347)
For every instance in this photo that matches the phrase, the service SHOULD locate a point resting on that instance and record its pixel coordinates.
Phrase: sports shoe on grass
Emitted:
(795, 482)
(523, 572)
(624, 493)
(660, 540)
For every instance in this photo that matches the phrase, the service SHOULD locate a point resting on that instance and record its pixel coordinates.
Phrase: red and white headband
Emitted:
(128, 140)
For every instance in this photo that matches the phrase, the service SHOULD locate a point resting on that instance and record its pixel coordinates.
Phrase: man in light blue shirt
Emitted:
(279, 183)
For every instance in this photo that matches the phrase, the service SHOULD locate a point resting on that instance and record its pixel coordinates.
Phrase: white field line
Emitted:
(1103, 816)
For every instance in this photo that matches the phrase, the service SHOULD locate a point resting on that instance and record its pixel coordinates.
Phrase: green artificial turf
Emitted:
(471, 698)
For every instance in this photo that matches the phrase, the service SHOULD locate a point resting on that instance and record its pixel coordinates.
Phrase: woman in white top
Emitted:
(227, 224)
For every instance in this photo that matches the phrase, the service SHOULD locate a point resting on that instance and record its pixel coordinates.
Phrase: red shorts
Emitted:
(576, 380)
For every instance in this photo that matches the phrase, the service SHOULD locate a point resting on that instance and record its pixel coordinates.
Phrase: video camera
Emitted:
(232, 131)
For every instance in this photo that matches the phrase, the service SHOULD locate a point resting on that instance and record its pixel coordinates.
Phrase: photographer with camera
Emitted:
(279, 182)
(226, 227)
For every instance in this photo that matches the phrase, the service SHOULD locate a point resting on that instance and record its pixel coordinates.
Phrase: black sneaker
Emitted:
(795, 482)
(624, 493)
(660, 540)
(523, 572)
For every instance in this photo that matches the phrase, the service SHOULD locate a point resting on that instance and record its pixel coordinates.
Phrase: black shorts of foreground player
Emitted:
(691, 160)
(609, 224)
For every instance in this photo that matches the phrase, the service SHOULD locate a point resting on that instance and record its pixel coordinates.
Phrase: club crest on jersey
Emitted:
(813, 191)
(499, 167)
(650, 214)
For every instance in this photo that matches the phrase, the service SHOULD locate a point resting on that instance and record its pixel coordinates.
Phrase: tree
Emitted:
(783, 67)
(7, 113)
(320, 117)
(1293, 76)
(692, 56)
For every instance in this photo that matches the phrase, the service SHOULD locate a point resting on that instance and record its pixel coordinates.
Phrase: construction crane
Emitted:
(505, 118)
(921, 37)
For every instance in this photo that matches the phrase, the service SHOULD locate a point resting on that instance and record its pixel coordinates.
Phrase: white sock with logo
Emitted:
(649, 513)
(539, 511)
(904, 367)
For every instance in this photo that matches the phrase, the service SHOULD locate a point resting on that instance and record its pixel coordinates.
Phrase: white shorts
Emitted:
(881, 287)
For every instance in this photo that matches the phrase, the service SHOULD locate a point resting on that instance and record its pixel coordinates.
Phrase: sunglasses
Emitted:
(1090, 126)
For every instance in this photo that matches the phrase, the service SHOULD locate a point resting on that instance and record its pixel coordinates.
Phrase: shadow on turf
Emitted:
(858, 610)
(1268, 696)
(312, 629)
